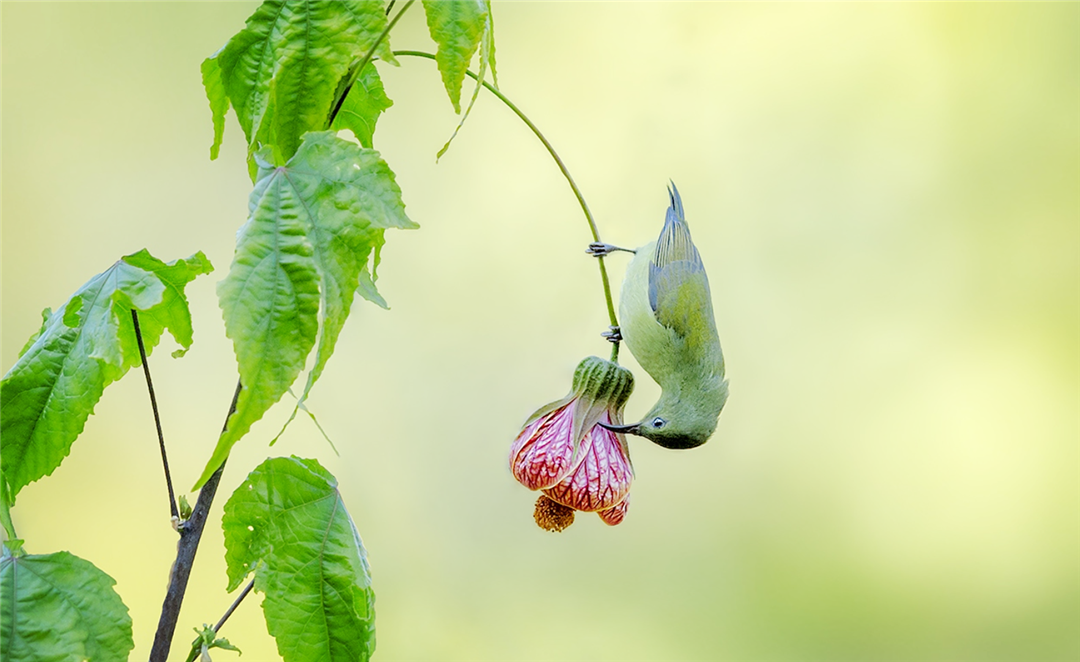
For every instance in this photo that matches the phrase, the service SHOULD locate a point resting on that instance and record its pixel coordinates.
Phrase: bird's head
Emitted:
(677, 423)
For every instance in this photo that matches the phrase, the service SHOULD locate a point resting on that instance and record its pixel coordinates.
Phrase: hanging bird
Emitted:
(668, 324)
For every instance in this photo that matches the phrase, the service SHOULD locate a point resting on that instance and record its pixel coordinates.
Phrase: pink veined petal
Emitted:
(541, 454)
(616, 513)
(602, 478)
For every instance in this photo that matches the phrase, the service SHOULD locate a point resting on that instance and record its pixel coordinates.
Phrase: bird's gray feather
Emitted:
(676, 258)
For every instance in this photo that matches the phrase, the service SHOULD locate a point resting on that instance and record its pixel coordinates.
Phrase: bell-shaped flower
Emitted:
(576, 463)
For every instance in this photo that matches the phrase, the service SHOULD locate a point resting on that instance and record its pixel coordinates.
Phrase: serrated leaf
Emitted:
(459, 27)
(363, 104)
(366, 288)
(88, 343)
(281, 71)
(487, 53)
(313, 223)
(288, 525)
(60, 607)
(219, 101)
(45, 315)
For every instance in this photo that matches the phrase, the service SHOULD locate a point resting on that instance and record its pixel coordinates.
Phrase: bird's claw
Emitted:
(614, 335)
(599, 249)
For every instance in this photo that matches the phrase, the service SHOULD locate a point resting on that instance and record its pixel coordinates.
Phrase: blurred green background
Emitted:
(885, 197)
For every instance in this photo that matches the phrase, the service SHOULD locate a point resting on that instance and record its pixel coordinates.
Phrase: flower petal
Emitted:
(615, 514)
(542, 453)
(602, 476)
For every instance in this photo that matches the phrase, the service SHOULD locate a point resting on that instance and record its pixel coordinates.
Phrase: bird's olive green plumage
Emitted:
(668, 324)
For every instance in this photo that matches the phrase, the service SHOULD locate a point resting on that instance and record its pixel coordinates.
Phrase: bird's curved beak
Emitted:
(625, 429)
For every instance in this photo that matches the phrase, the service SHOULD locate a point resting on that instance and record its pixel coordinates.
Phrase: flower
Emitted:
(576, 463)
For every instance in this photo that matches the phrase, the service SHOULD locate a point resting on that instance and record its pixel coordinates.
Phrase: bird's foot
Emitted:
(597, 249)
(614, 335)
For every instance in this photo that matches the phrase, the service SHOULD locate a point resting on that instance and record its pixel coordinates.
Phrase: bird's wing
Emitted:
(678, 286)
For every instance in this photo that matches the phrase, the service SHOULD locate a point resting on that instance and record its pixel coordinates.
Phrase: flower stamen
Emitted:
(551, 515)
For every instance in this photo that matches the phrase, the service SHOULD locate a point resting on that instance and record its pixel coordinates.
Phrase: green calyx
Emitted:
(603, 382)
(599, 386)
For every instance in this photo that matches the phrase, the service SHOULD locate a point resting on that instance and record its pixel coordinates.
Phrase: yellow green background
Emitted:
(886, 200)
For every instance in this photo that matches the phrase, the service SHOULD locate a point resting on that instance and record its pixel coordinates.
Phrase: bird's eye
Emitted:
(658, 422)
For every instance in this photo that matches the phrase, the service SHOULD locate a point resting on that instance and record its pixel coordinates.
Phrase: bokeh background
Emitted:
(885, 197)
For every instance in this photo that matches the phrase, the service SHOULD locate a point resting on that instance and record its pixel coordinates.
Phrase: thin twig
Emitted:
(236, 603)
(364, 62)
(190, 533)
(566, 173)
(157, 416)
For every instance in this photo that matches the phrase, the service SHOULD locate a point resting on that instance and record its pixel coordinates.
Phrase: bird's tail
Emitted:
(676, 203)
(675, 243)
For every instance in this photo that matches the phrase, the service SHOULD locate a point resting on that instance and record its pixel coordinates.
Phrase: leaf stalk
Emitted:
(228, 612)
(157, 417)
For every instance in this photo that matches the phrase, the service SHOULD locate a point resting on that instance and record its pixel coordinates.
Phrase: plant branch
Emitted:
(566, 174)
(157, 417)
(355, 73)
(228, 612)
(190, 533)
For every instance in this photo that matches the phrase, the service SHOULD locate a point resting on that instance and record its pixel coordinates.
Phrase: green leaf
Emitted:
(487, 52)
(366, 288)
(459, 27)
(60, 607)
(281, 71)
(363, 104)
(206, 640)
(288, 525)
(45, 315)
(219, 101)
(88, 343)
(313, 224)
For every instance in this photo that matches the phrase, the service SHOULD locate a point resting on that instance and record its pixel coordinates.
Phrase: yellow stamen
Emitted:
(552, 516)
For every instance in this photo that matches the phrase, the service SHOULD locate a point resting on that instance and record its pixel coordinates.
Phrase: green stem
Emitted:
(5, 512)
(195, 647)
(566, 174)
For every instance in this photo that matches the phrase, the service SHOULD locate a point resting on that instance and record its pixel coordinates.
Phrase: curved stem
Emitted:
(566, 174)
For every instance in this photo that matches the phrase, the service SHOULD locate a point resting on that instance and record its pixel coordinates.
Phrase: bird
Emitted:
(668, 324)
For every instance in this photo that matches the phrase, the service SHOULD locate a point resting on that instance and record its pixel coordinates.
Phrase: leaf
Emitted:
(487, 52)
(219, 101)
(313, 223)
(281, 71)
(206, 640)
(366, 288)
(84, 346)
(45, 315)
(366, 283)
(459, 27)
(365, 102)
(288, 525)
(59, 607)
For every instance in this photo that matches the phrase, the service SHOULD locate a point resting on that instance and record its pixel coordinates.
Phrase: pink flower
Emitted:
(576, 463)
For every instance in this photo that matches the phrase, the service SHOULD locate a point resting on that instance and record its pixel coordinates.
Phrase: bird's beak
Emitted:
(625, 429)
